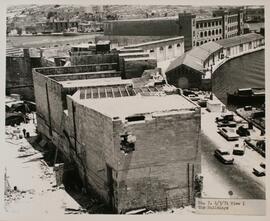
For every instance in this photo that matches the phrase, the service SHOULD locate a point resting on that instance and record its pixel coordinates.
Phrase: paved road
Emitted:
(220, 178)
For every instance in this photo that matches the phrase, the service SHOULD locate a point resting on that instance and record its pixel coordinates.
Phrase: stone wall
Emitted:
(155, 174)
(143, 27)
(94, 59)
(77, 69)
(135, 68)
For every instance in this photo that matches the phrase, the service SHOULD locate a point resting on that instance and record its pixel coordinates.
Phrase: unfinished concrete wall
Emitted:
(156, 175)
(134, 68)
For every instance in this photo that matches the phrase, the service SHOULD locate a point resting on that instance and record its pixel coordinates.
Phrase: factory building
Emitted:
(137, 146)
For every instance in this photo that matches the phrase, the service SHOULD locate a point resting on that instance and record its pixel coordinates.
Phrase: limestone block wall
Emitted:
(94, 59)
(135, 68)
(156, 175)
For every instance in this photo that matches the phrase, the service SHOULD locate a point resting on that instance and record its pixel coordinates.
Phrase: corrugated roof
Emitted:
(229, 42)
(196, 56)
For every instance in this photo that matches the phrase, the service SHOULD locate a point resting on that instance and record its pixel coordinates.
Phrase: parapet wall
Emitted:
(77, 69)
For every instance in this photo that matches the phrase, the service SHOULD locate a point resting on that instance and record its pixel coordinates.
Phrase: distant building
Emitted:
(254, 14)
(56, 26)
(224, 23)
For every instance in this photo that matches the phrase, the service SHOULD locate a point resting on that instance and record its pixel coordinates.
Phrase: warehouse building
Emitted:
(195, 67)
(135, 146)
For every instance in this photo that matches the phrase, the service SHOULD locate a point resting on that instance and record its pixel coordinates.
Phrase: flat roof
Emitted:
(144, 19)
(95, 82)
(241, 39)
(208, 18)
(155, 42)
(139, 59)
(131, 105)
(134, 53)
(82, 73)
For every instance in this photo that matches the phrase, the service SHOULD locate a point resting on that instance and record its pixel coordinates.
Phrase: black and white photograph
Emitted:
(134, 109)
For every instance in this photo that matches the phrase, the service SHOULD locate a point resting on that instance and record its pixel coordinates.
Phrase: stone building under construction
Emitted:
(136, 145)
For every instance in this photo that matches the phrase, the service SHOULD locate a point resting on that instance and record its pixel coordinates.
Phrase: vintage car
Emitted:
(259, 171)
(228, 133)
(239, 149)
(224, 156)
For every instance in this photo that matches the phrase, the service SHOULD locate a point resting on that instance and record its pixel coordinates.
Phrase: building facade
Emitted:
(134, 147)
(162, 50)
(221, 25)
(224, 23)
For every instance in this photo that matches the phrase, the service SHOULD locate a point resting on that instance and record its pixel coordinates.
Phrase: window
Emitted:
(201, 42)
(213, 23)
(152, 50)
(169, 46)
(205, 33)
(205, 41)
(209, 24)
(178, 45)
(127, 142)
(220, 31)
(219, 22)
(216, 32)
(205, 24)
(209, 33)
(213, 32)
(216, 22)
(197, 25)
(216, 39)
(197, 44)
(201, 34)
(161, 48)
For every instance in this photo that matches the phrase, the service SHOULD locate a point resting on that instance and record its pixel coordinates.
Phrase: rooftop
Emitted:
(155, 42)
(123, 107)
(94, 82)
(208, 18)
(196, 56)
(139, 59)
(229, 42)
(144, 19)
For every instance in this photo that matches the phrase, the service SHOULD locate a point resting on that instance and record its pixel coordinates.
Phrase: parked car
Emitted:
(243, 131)
(262, 165)
(226, 123)
(193, 97)
(225, 117)
(229, 134)
(259, 171)
(224, 156)
(239, 149)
